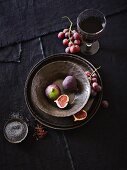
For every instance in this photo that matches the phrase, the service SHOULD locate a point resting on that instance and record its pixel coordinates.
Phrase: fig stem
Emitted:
(52, 90)
(69, 27)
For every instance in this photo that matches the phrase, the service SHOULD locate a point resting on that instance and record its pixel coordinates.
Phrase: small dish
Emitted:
(15, 130)
(55, 72)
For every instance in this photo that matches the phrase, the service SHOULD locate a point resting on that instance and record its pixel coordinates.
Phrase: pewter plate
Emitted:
(62, 123)
(55, 72)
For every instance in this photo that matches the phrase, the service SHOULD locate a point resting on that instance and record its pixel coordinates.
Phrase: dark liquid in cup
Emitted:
(91, 25)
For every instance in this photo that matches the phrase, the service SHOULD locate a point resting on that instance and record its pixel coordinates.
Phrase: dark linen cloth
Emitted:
(27, 19)
(10, 53)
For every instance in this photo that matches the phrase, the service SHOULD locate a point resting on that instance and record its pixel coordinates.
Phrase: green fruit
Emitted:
(52, 91)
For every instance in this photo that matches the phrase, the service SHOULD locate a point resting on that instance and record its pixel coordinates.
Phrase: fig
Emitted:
(81, 115)
(62, 101)
(70, 83)
(52, 91)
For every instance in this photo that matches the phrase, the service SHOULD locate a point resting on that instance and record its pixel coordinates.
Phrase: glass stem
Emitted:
(88, 45)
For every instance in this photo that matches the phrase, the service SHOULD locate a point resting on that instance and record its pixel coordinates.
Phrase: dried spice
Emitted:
(39, 132)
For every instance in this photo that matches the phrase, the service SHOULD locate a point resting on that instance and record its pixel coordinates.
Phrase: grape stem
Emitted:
(94, 72)
(69, 27)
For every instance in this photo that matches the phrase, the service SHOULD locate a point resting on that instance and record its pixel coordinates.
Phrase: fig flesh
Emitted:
(62, 101)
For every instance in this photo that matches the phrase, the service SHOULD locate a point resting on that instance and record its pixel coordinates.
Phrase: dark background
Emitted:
(25, 27)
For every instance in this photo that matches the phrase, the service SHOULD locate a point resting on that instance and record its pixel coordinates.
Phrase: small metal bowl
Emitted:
(54, 73)
(11, 128)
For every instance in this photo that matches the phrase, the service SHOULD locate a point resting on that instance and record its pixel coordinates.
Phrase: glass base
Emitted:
(90, 50)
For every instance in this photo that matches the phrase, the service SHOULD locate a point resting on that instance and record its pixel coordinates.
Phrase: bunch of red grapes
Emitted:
(71, 39)
(95, 87)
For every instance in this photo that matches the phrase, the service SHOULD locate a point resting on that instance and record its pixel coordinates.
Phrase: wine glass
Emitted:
(90, 25)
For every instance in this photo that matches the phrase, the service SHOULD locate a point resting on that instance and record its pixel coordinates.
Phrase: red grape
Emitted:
(94, 79)
(67, 34)
(70, 44)
(74, 31)
(73, 49)
(95, 85)
(61, 35)
(72, 38)
(105, 104)
(65, 30)
(94, 75)
(98, 88)
(67, 50)
(65, 42)
(77, 42)
(93, 93)
(76, 36)
(77, 48)
(87, 73)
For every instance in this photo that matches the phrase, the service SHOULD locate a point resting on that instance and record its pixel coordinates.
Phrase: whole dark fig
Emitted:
(70, 83)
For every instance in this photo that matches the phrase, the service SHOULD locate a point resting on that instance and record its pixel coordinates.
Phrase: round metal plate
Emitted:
(67, 122)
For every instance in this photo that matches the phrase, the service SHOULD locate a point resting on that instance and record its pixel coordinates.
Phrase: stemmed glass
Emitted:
(90, 25)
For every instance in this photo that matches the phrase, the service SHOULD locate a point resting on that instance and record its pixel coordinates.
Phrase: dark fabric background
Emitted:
(23, 20)
(102, 143)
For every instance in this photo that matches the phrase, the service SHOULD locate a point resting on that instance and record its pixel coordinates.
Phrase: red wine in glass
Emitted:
(90, 24)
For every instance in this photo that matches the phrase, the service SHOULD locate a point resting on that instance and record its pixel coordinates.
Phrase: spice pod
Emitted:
(15, 130)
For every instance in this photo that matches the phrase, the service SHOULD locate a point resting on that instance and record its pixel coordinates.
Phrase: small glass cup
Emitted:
(90, 25)
(15, 130)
